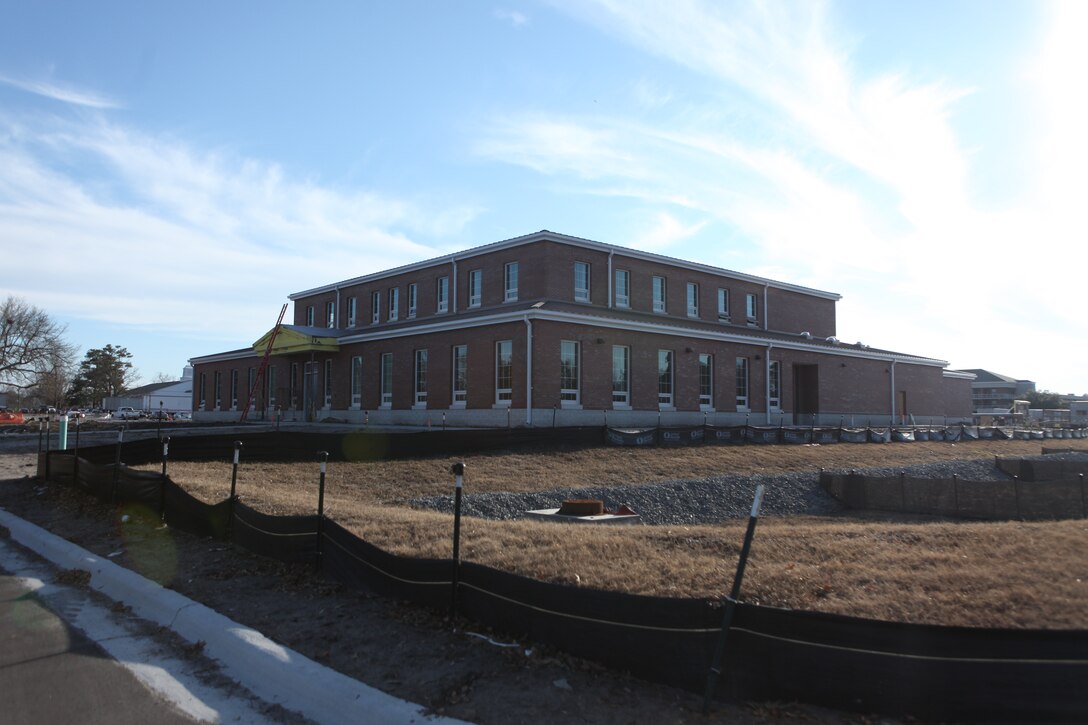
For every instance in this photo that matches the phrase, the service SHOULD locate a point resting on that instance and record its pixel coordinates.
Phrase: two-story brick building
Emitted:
(548, 329)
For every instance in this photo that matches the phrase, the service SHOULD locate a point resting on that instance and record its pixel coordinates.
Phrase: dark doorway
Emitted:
(901, 406)
(806, 393)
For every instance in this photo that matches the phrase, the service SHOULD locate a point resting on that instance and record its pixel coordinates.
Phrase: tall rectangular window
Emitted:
(659, 294)
(723, 303)
(510, 282)
(233, 389)
(581, 282)
(394, 303)
(310, 316)
(292, 386)
(357, 381)
(251, 378)
(568, 371)
(352, 309)
(623, 288)
(330, 314)
(412, 296)
(460, 375)
(693, 299)
(387, 379)
(621, 376)
(751, 307)
(504, 372)
(706, 381)
(328, 383)
(664, 378)
(475, 287)
(200, 394)
(742, 383)
(375, 307)
(774, 385)
(421, 378)
(270, 385)
(443, 294)
(218, 390)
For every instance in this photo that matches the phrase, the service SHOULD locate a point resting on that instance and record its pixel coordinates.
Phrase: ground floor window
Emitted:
(742, 383)
(774, 385)
(460, 375)
(270, 396)
(356, 381)
(664, 378)
(292, 386)
(328, 383)
(504, 372)
(387, 380)
(218, 390)
(200, 394)
(621, 376)
(568, 372)
(234, 390)
(251, 380)
(421, 378)
(706, 381)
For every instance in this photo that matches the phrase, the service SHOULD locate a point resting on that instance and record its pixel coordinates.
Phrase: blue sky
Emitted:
(169, 173)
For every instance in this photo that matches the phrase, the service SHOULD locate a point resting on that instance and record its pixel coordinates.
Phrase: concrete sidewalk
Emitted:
(274, 673)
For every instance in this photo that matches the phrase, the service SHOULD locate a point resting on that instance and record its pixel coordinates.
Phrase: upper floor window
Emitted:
(310, 316)
(394, 303)
(330, 314)
(581, 282)
(659, 294)
(412, 297)
(475, 287)
(723, 303)
(693, 299)
(510, 282)
(443, 294)
(375, 307)
(751, 307)
(352, 309)
(623, 288)
(568, 371)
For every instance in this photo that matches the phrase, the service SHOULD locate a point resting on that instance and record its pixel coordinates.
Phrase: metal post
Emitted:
(162, 484)
(48, 445)
(443, 420)
(956, 492)
(41, 431)
(323, 458)
(117, 463)
(233, 489)
(1016, 493)
(458, 471)
(158, 425)
(75, 457)
(1083, 505)
(731, 600)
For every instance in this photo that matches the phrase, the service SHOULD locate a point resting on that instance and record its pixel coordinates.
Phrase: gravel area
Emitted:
(703, 501)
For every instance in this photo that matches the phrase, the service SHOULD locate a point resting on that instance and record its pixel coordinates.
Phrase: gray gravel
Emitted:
(701, 501)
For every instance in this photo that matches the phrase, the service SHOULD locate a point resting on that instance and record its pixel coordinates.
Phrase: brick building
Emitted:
(548, 329)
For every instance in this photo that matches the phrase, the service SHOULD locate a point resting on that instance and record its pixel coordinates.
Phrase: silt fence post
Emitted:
(323, 459)
(233, 490)
(162, 484)
(117, 463)
(458, 471)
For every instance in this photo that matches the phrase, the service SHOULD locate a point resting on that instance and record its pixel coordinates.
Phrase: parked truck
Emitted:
(127, 413)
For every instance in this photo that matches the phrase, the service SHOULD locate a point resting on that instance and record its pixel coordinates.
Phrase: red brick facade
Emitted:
(792, 330)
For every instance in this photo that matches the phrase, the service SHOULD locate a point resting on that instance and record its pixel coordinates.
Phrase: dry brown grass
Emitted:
(1008, 574)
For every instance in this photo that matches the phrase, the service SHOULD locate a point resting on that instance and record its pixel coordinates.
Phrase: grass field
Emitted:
(1004, 574)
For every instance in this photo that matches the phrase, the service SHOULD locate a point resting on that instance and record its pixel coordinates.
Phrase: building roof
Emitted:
(545, 236)
(986, 376)
(150, 388)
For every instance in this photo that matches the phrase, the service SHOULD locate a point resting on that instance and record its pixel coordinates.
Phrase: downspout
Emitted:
(610, 253)
(528, 371)
(893, 391)
(766, 310)
(767, 384)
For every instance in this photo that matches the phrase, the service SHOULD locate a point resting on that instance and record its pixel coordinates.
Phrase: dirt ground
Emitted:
(452, 668)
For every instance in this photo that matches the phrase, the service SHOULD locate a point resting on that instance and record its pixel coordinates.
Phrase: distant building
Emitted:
(993, 393)
(175, 397)
(1078, 412)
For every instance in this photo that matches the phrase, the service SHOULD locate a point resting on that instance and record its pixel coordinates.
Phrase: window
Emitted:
(375, 307)
(751, 308)
(251, 378)
(623, 288)
(328, 383)
(475, 287)
(421, 378)
(510, 282)
(387, 379)
(412, 295)
(357, 382)
(774, 399)
(504, 372)
(218, 390)
(621, 376)
(460, 375)
(443, 294)
(352, 308)
(394, 303)
(233, 389)
(742, 383)
(270, 396)
(292, 385)
(330, 314)
(200, 394)
(568, 372)
(664, 378)
(723, 303)
(659, 294)
(706, 381)
(693, 299)
(310, 316)
(581, 282)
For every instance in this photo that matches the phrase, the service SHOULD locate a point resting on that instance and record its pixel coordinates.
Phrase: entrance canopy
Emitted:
(293, 339)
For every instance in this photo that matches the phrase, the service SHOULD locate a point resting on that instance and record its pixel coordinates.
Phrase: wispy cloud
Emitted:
(59, 92)
(514, 17)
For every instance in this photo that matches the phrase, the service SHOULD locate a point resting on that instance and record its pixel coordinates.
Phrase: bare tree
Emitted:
(164, 378)
(32, 345)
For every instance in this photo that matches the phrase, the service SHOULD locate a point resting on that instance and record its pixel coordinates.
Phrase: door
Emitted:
(806, 393)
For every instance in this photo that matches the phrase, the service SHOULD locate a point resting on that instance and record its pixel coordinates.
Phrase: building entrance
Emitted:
(806, 393)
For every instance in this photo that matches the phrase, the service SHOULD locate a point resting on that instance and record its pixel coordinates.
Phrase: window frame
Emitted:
(706, 382)
(751, 307)
(234, 388)
(310, 316)
(475, 287)
(419, 379)
(413, 299)
(666, 381)
(353, 308)
(394, 304)
(743, 386)
(330, 314)
(459, 369)
(442, 295)
(623, 299)
(621, 397)
(693, 299)
(774, 386)
(570, 353)
(386, 375)
(357, 382)
(582, 293)
(504, 397)
(510, 282)
(723, 303)
(375, 307)
(659, 294)
(327, 383)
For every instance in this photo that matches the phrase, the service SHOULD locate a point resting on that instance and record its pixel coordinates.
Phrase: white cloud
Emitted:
(59, 92)
(664, 231)
(514, 17)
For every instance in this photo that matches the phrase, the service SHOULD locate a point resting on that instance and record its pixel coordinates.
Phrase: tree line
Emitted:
(38, 366)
